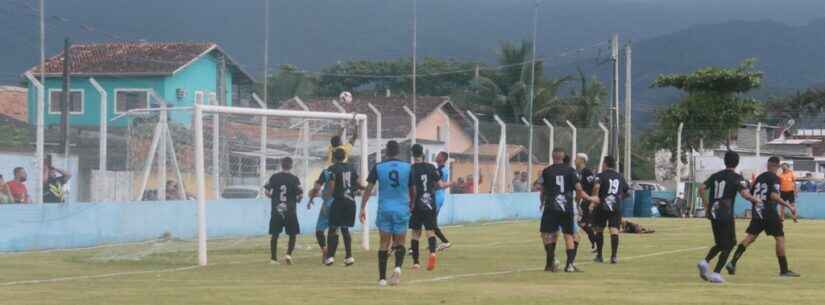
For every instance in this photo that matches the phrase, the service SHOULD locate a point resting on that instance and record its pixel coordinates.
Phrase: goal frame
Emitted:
(200, 168)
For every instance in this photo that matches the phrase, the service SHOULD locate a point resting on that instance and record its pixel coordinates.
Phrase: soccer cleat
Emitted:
(349, 261)
(572, 268)
(552, 268)
(703, 269)
(415, 267)
(789, 274)
(288, 259)
(431, 262)
(395, 278)
(274, 262)
(715, 278)
(382, 283)
(329, 261)
(598, 259)
(731, 268)
(444, 246)
(614, 260)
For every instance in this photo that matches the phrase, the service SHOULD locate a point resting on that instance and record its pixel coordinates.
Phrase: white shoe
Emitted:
(288, 259)
(329, 261)
(274, 262)
(382, 283)
(703, 269)
(349, 261)
(416, 267)
(395, 278)
(444, 246)
(716, 278)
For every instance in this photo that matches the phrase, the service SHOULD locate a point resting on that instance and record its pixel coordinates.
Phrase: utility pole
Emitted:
(628, 141)
(266, 52)
(414, 47)
(614, 107)
(532, 95)
(65, 100)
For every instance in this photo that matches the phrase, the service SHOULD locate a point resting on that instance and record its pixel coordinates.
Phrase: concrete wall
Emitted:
(427, 128)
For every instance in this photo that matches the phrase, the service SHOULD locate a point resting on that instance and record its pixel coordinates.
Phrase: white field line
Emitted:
(98, 276)
(481, 274)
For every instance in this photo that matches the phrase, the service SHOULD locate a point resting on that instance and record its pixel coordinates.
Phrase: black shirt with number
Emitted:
(723, 187)
(766, 184)
(286, 192)
(558, 183)
(345, 179)
(424, 177)
(612, 189)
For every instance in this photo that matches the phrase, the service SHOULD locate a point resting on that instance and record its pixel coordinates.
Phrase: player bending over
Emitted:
(393, 216)
(441, 196)
(719, 207)
(424, 181)
(765, 217)
(558, 183)
(285, 191)
(609, 189)
(344, 183)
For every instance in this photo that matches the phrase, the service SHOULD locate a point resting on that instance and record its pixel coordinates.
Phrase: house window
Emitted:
(75, 101)
(129, 99)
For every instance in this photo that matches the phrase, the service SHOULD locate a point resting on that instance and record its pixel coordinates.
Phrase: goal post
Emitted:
(200, 111)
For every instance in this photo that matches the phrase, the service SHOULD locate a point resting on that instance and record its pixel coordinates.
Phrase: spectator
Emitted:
(520, 183)
(460, 187)
(17, 187)
(808, 185)
(55, 187)
(5, 196)
(172, 192)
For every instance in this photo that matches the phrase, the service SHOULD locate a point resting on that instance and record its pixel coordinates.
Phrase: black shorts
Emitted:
(724, 232)
(342, 213)
(423, 218)
(606, 219)
(278, 222)
(788, 196)
(772, 226)
(552, 220)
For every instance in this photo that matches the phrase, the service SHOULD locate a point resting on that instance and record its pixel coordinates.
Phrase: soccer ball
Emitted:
(345, 97)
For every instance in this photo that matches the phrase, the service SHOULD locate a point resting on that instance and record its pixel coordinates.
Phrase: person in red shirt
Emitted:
(17, 187)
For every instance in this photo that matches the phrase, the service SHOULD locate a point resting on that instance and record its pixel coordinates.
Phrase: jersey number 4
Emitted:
(560, 183)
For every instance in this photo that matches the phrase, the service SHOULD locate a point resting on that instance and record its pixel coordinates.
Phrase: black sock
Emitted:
(723, 258)
(383, 255)
(783, 264)
(614, 245)
(591, 237)
(599, 243)
(740, 249)
(571, 256)
(347, 241)
(400, 252)
(576, 245)
(431, 244)
(332, 243)
(550, 250)
(273, 247)
(414, 249)
(291, 245)
(441, 236)
(712, 253)
(321, 239)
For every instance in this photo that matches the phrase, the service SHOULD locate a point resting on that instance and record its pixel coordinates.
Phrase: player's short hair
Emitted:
(583, 156)
(444, 154)
(286, 163)
(559, 150)
(417, 150)
(610, 161)
(335, 141)
(773, 160)
(339, 154)
(393, 148)
(731, 159)
(17, 170)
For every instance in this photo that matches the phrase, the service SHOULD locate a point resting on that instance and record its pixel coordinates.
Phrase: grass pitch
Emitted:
(493, 263)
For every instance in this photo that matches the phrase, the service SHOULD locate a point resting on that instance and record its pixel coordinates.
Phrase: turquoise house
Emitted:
(180, 74)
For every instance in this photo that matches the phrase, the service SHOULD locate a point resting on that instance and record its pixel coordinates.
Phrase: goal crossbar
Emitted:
(200, 110)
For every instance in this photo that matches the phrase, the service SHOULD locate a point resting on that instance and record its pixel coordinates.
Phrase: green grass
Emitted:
(494, 263)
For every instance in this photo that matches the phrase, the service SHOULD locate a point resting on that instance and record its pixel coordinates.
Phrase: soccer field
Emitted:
(490, 263)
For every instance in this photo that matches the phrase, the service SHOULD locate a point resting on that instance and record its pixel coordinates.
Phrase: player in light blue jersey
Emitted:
(393, 216)
(441, 195)
(322, 224)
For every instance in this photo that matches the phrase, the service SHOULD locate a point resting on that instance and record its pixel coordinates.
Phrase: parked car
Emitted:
(242, 192)
(647, 186)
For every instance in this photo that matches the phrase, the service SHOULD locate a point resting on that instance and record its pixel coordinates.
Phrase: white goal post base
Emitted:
(200, 171)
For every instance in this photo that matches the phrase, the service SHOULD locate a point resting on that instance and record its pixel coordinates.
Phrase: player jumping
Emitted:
(765, 217)
(285, 190)
(424, 181)
(719, 207)
(609, 189)
(344, 183)
(441, 196)
(393, 215)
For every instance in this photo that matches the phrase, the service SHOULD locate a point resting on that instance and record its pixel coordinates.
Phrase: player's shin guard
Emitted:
(571, 257)
(713, 252)
(614, 245)
(441, 236)
(723, 259)
(347, 241)
(332, 243)
(431, 244)
(273, 247)
(400, 252)
(550, 251)
(414, 250)
(783, 264)
(599, 243)
(291, 245)
(740, 250)
(383, 256)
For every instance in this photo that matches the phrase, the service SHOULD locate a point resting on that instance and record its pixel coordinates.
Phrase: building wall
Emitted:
(428, 129)
(13, 102)
(487, 168)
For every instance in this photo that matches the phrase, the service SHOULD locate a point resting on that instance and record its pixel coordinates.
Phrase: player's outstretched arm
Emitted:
(364, 199)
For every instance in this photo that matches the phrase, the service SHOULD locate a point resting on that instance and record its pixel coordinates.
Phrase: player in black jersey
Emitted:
(586, 178)
(424, 181)
(285, 190)
(559, 182)
(719, 207)
(609, 189)
(344, 183)
(765, 217)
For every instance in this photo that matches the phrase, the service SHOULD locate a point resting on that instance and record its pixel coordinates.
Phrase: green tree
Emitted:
(289, 82)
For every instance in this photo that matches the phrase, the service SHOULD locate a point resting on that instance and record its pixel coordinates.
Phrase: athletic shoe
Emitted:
(382, 283)
(703, 269)
(789, 274)
(614, 260)
(598, 259)
(552, 268)
(395, 278)
(288, 259)
(444, 246)
(572, 268)
(349, 261)
(415, 267)
(274, 262)
(731, 268)
(329, 261)
(715, 278)
(594, 250)
(431, 262)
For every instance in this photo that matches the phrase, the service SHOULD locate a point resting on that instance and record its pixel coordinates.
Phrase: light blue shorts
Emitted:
(392, 222)
(323, 216)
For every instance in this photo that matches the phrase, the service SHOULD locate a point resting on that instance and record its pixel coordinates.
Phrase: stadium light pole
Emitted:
(532, 95)
(41, 108)
(266, 51)
(414, 55)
